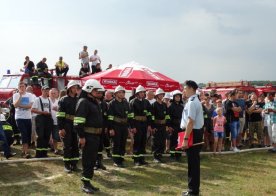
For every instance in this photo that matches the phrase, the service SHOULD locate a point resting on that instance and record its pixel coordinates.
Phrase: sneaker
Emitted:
(156, 160)
(10, 155)
(87, 189)
(235, 149)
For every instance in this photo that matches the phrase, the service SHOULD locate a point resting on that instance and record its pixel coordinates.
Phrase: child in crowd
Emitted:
(218, 123)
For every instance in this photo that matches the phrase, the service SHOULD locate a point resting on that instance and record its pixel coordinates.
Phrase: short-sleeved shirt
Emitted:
(30, 66)
(241, 103)
(193, 109)
(23, 113)
(54, 112)
(271, 117)
(255, 117)
(45, 104)
(84, 60)
(219, 125)
(230, 114)
(96, 59)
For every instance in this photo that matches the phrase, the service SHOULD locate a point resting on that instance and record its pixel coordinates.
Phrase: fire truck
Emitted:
(9, 84)
(223, 87)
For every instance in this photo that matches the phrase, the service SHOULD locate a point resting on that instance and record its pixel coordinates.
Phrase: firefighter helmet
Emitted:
(73, 83)
(140, 88)
(159, 91)
(102, 89)
(119, 88)
(176, 92)
(90, 85)
(167, 96)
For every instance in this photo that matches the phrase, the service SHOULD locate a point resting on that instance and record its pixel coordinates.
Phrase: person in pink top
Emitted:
(218, 123)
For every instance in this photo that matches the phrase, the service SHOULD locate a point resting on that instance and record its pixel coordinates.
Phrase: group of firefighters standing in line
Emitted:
(92, 120)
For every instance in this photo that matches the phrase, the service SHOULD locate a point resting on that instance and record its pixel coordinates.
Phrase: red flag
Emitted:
(181, 138)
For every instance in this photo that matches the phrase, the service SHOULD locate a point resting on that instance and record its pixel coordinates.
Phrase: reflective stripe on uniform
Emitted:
(130, 115)
(79, 120)
(167, 117)
(41, 149)
(148, 113)
(60, 114)
(7, 127)
(85, 179)
(110, 117)
(153, 117)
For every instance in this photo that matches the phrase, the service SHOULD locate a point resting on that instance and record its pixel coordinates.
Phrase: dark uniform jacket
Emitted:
(88, 114)
(159, 114)
(118, 113)
(66, 110)
(175, 111)
(139, 108)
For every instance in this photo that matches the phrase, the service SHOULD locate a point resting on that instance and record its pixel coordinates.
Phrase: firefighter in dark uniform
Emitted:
(140, 114)
(160, 118)
(192, 120)
(88, 122)
(118, 113)
(175, 111)
(99, 162)
(7, 128)
(65, 118)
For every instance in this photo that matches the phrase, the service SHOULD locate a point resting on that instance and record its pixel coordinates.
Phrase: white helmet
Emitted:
(73, 83)
(119, 88)
(102, 89)
(159, 91)
(90, 85)
(177, 92)
(167, 96)
(2, 117)
(140, 89)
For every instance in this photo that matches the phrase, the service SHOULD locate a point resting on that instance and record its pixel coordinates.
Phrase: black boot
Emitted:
(75, 168)
(67, 167)
(100, 164)
(87, 187)
(143, 162)
(108, 153)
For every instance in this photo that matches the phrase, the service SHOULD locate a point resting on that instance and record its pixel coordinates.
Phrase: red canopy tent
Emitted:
(132, 74)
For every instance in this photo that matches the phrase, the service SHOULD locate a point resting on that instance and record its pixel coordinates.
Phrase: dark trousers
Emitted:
(140, 140)
(89, 155)
(194, 162)
(63, 71)
(119, 143)
(159, 141)
(70, 145)
(174, 141)
(6, 147)
(44, 125)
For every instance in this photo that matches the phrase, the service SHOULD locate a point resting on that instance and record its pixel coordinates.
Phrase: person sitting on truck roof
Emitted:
(61, 67)
(42, 69)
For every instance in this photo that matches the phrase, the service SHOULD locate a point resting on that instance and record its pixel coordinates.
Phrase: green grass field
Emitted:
(252, 173)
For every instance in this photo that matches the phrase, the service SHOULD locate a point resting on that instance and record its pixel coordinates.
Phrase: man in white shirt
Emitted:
(84, 57)
(44, 122)
(150, 96)
(95, 59)
(22, 102)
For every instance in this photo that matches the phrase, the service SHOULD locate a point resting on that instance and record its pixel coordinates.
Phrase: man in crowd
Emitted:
(61, 67)
(65, 117)
(150, 96)
(192, 121)
(118, 114)
(43, 121)
(96, 60)
(88, 123)
(42, 69)
(84, 57)
(254, 109)
(141, 122)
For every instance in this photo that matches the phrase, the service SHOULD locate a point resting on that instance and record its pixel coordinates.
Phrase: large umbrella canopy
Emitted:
(132, 74)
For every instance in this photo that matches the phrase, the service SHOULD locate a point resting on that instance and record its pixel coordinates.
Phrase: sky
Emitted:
(201, 40)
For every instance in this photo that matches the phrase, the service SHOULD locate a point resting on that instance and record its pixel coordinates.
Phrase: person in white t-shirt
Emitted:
(43, 121)
(150, 96)
(53, 95)
(22, 102)
(96, 60)
(84, 57)
(29, 89)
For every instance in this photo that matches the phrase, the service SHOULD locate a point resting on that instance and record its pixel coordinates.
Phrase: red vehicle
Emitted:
(269, 88)
(9, 83)
(223, 87)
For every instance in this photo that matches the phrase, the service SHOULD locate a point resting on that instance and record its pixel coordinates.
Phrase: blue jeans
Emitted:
(235, 127)
(6, 148)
